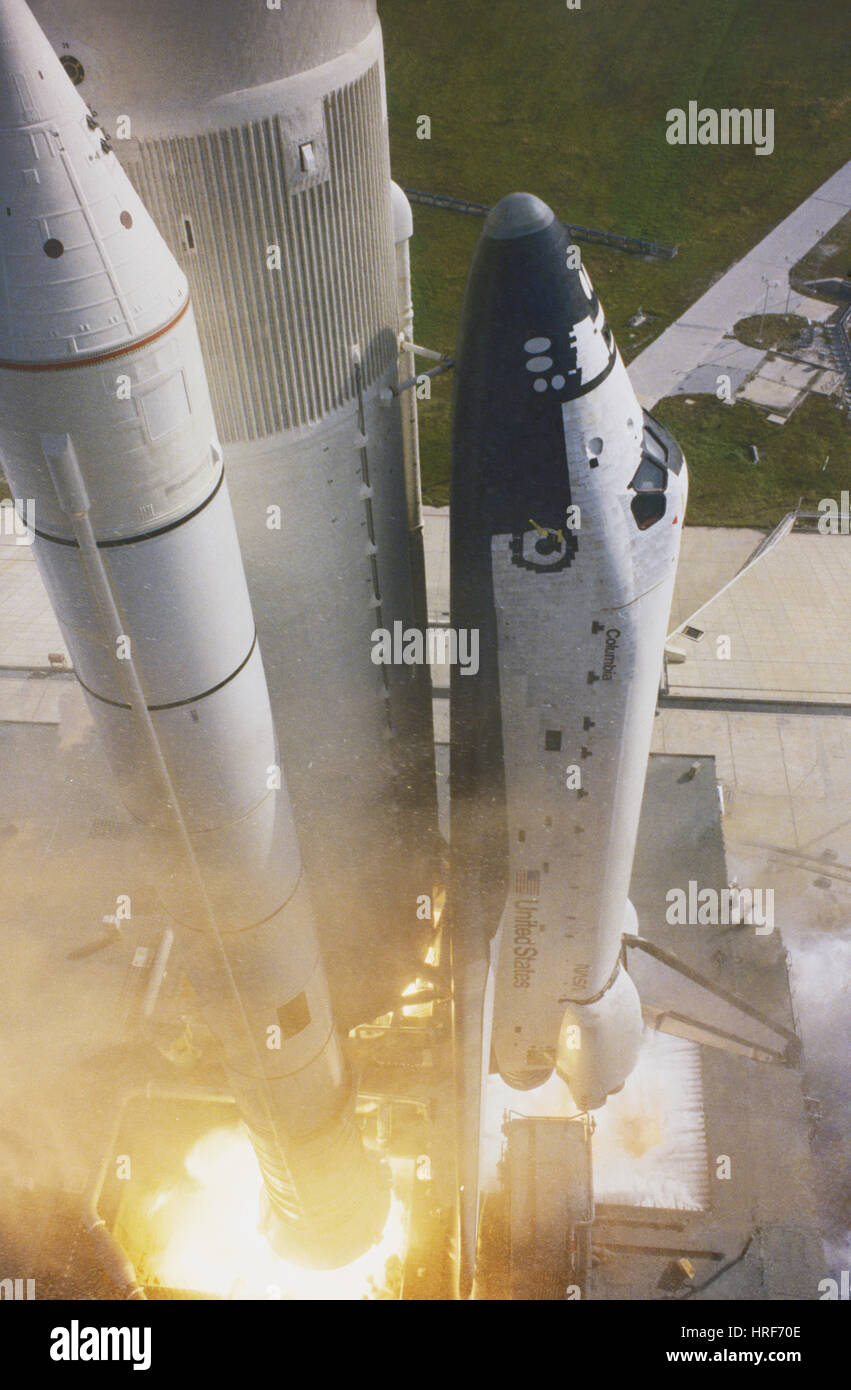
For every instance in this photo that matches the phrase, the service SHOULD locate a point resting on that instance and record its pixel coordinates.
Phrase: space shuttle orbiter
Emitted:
(566, 516)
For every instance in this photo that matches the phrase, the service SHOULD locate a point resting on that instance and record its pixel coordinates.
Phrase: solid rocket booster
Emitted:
(566, 515)
(107, 431)
(258, 141)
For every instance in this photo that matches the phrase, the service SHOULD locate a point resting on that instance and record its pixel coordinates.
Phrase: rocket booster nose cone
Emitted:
(517, 215)
(86, 269)
(34, 86)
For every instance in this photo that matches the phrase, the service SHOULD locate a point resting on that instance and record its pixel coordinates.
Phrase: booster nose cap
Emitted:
(517, 215)
(34, 87)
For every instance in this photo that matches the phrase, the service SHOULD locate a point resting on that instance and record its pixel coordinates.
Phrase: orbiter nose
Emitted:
(517, 215)
(530, 298)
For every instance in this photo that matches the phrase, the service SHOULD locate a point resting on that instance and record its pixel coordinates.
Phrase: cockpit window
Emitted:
(648, 508)
(659, 445)
(650, 477)
(660, 457)
(653, 446)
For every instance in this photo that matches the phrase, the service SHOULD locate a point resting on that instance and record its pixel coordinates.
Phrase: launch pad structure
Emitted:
(752, 1112)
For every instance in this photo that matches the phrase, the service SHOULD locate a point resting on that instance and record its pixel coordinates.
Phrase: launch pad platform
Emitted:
(76, 985)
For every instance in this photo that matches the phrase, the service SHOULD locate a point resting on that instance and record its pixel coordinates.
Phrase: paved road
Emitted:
(696, 339)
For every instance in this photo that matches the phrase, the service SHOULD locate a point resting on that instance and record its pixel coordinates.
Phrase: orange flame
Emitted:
(208, 1237)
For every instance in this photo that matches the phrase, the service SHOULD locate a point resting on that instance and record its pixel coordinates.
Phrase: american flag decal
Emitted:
(527, 883)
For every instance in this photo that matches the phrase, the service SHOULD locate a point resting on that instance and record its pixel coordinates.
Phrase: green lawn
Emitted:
(830, 257)
(726, 489)
(571, 105)
(770, 331)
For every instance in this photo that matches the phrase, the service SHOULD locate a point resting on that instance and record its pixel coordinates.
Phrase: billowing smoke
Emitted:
(815, 924)
(649, 1144)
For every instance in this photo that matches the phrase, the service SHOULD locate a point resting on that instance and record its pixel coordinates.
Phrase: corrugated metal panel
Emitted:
(277, 343)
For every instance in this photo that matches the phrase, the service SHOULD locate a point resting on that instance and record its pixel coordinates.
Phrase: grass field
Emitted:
(571, 105)
(780, 331)
(726, 489)
(831, 257)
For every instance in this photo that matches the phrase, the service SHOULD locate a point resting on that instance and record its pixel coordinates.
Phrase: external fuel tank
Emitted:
(257, 137)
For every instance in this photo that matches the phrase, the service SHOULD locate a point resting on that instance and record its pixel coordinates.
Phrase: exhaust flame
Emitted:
(206, 1237)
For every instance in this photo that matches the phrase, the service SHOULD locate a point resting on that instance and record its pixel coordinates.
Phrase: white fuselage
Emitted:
(580, 653)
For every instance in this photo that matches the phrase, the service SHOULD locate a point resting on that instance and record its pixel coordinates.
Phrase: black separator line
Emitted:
(177, 704)
(146, 535)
